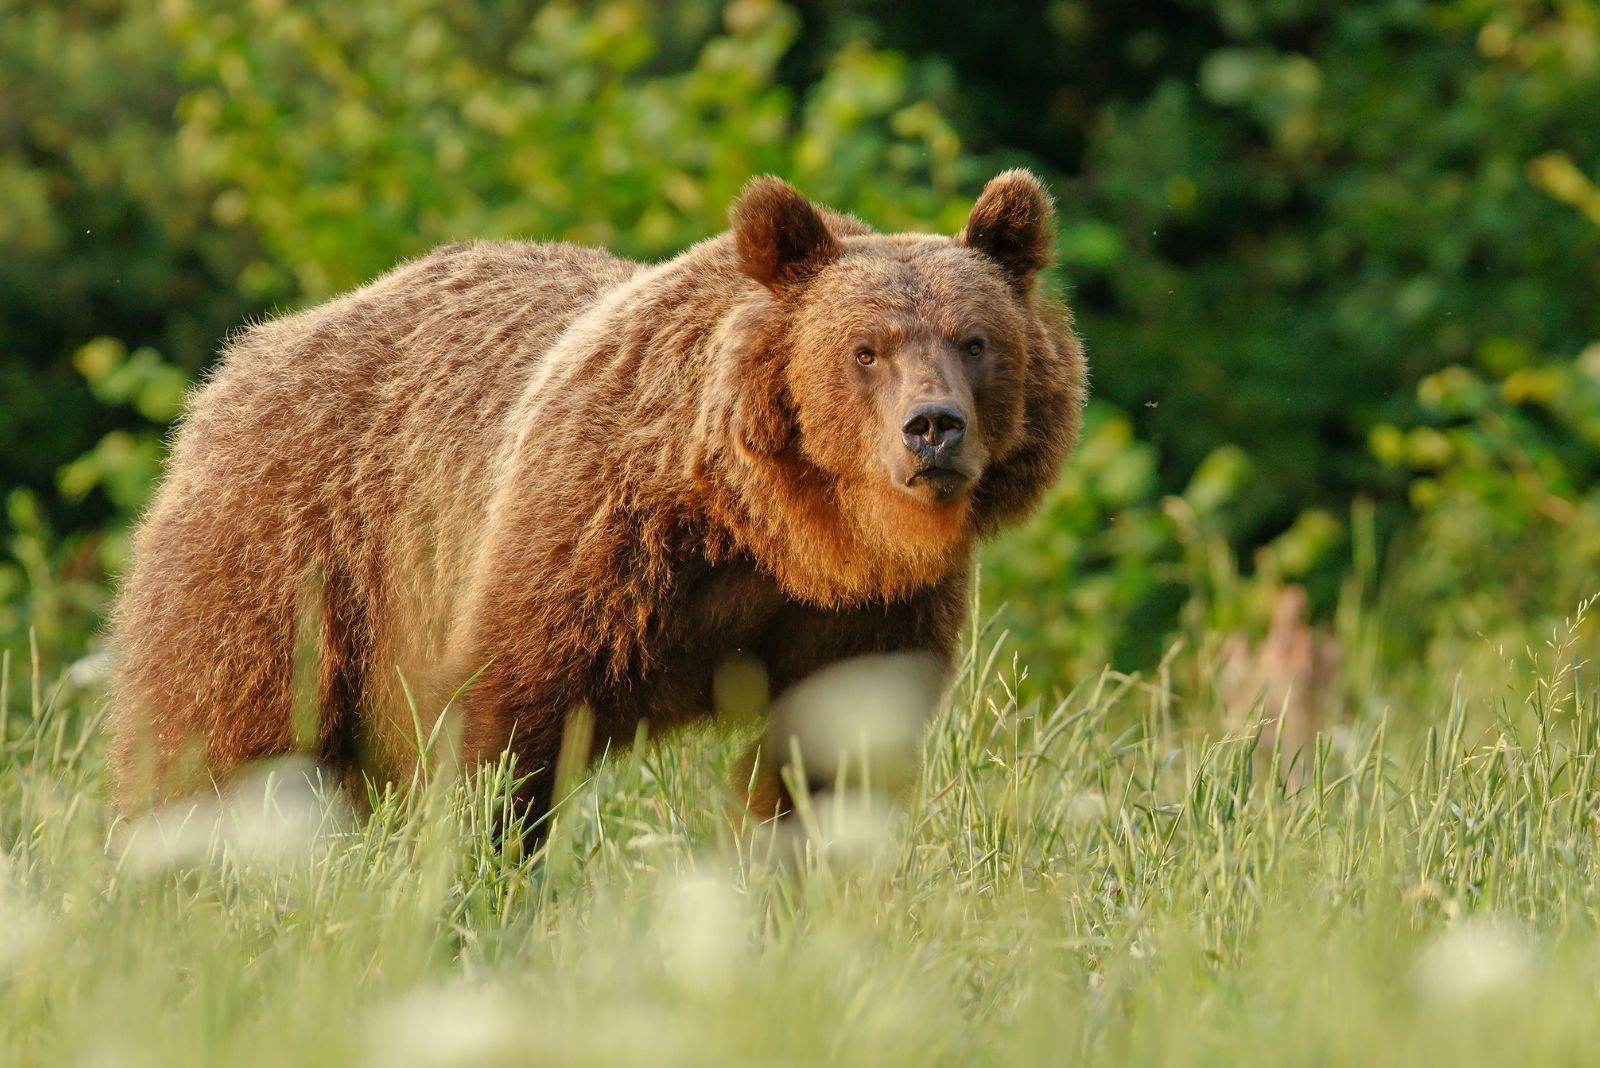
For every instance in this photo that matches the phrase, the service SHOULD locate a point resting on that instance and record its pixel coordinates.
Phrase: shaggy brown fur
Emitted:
(587, 481)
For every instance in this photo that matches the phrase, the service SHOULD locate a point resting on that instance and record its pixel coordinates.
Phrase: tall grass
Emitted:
(1111, 878)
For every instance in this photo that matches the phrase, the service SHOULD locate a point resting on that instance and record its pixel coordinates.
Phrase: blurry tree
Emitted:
(1281, 214)
(102, 228)
(347, 136)
(1277, 218)
(1502, 471)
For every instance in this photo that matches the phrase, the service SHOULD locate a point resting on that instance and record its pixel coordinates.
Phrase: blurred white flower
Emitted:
(90, 670)
(1086, 806)
(861, 719)
(643, 843)
(1473, 960)
(23, 924)
(703, 931)
(442, 1026)
(278, 815)
(855, 830)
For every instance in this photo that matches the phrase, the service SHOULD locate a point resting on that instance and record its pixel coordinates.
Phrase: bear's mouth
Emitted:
(944, 481)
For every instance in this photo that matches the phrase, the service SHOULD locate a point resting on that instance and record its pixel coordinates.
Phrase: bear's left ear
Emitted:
(781, 237)
(1013, 223)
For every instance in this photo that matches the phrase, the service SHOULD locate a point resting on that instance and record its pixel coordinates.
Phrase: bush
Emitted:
(1276, 219)
(1502, 474)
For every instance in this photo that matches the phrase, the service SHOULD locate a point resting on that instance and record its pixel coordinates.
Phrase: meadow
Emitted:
(1113, 875)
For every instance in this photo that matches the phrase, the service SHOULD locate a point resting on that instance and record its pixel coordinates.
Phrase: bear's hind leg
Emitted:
(342, 618)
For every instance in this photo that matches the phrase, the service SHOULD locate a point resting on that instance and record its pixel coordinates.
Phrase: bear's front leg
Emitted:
(507, 711)
(856, 690)
(855, 726)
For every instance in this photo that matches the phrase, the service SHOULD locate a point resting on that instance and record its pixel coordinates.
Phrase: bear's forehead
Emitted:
(914, 276)
(898, 248)
(929, 258)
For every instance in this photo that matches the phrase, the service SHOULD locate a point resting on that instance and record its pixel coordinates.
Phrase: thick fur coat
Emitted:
(581, 481)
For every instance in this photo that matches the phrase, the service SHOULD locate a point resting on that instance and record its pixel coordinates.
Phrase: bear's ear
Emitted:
(1013, 223)
(781, 237)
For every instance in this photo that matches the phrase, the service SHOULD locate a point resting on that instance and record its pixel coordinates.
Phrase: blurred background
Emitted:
(1336, 266)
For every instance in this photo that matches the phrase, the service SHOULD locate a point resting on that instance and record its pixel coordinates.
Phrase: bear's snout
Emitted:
(933, 432)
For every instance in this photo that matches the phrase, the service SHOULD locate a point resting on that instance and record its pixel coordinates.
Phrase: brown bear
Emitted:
(581, 481)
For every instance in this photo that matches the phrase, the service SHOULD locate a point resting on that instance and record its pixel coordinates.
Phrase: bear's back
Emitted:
(396, 389)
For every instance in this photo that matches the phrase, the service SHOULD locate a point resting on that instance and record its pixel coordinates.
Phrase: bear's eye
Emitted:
(974, 347)
(866, 357)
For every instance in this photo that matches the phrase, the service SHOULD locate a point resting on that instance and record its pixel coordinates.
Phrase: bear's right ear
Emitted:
(780, 236)
(1013, 223)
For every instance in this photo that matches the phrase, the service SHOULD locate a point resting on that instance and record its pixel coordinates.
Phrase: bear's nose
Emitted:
(932, 429)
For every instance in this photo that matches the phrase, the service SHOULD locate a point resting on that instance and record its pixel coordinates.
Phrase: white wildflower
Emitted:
(702, 929)
(443, 1026)
(278, 815)
(1474, 960)
(23, 924)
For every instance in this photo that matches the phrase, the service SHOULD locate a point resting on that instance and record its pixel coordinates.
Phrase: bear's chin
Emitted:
(838, 540)
(922, 520)
(907, 541)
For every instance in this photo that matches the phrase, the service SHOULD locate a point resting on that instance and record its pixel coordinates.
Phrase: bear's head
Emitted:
(915, 386)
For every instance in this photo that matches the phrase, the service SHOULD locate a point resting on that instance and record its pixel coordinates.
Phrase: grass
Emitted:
(1113, 878)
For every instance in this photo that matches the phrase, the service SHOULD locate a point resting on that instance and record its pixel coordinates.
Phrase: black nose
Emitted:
(930, 429)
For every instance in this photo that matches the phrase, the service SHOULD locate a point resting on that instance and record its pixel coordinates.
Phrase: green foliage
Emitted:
(1113, 568)
(124, 464)
(105, 230)
(1276, 220)
(1280, 215)
(351, 136)
(57, 586)
(1503, 476)
(50, 588)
